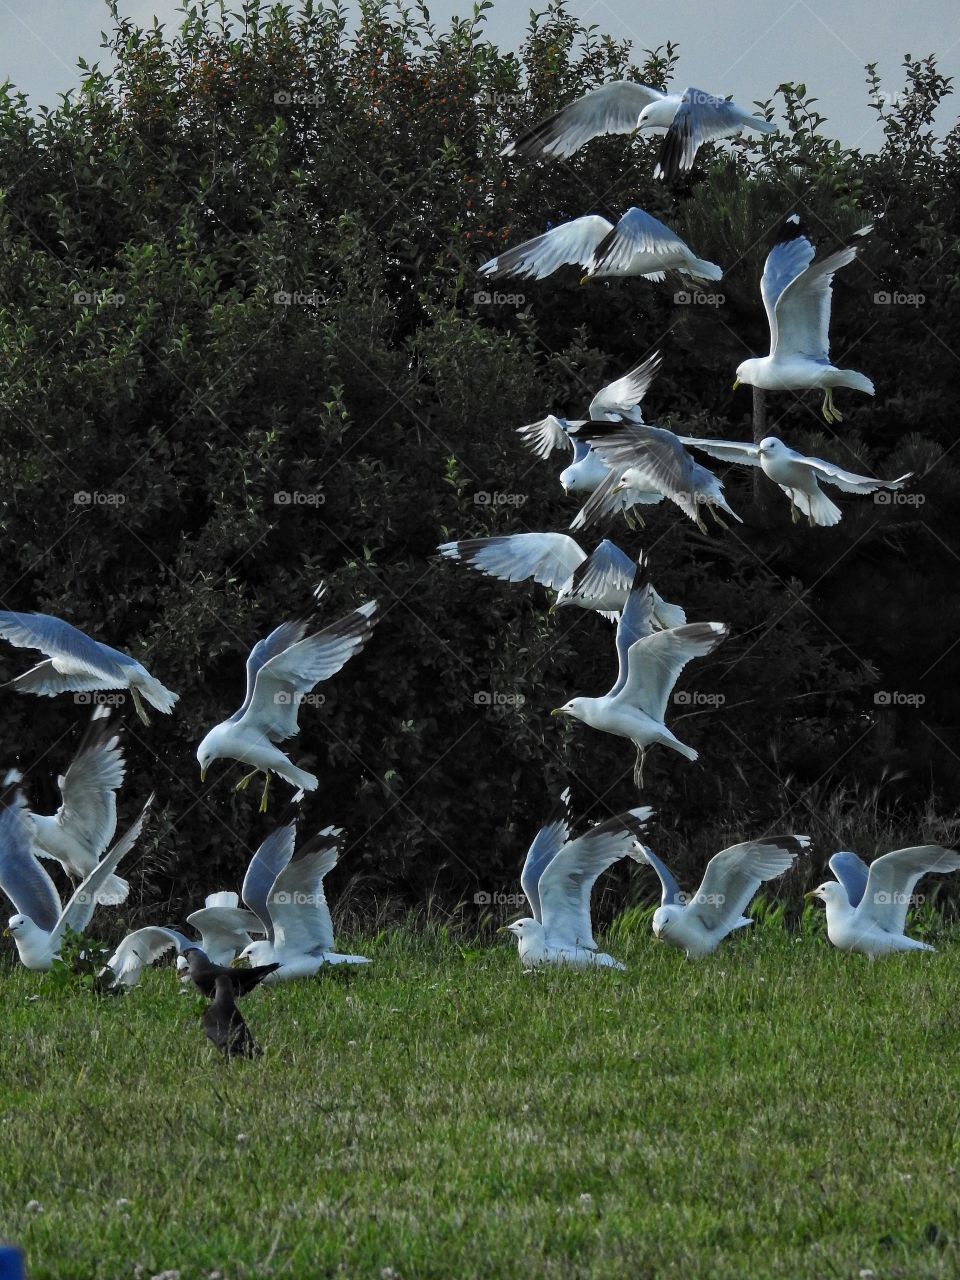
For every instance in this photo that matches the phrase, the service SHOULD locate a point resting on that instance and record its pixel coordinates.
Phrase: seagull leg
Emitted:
(638, 768)
(716, 515)
(830, 411)
(794, 518)
(246, 780)
(139, 707)
(266, 790)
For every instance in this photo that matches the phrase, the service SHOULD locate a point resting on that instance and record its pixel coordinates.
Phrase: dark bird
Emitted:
(205, 974)
(224, 1024)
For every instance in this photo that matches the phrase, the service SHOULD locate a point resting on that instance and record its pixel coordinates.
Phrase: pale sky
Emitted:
(742, 47)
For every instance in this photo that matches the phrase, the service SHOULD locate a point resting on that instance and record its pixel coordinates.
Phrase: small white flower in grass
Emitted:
(34, 1206)
(121, 1203)
(586, 1199)
(241, 1138)
(166, 1275)
(388, 1273)
(867, 1274)
(351, 1043)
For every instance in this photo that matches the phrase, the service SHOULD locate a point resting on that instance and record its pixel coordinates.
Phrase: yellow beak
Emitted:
(737, 384)
(811, 894)
(557, 711)
(6, 933)
(584, 279)
(203, 773)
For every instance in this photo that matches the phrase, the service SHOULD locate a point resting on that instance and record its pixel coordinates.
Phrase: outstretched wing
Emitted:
(734, 875)
(76, 915)
(548, 841)
(701, 117)
(850, 481)
(61, 640)
(88, 811)
(893, 878)
(636, 620)
(265, 865)
(614, 108)
(22, 878)
(569, 244)
(852, 873)
(639, 233)
(297, 902)
(547, 558)
(622, 398)
(546, 435)
(803, 306)
(654, 663)
(746, 455)
(670, 894)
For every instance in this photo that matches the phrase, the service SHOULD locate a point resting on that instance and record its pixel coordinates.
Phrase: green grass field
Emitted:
(779, 1110)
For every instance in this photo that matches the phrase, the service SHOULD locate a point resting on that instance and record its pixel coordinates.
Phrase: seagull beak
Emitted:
(811, 894)
(737, 384)
(584, 279)
(6, 933)
(617, 488)
(203, 773)
(557, 711)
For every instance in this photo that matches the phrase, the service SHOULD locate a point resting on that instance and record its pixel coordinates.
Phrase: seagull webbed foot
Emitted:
(246, 780)
(139, 707)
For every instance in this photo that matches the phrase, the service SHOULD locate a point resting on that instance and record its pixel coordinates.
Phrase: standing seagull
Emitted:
(77, 834)
(76, 664)
(636, 705)
(867, 907)
(699, 924)
(224, 1024)
(280, 670)
(41, 921)
(558, 878)
(798, 476)
(690, 118)
(225, 928)
(796, 295)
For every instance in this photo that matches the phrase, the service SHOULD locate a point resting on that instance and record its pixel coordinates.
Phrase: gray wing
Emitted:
(266, 864)
(622, 398)
(22, 878)
(548, 558)
(670, 894)
(850, 481)
(224, 929)
(614, 108)
(59, 639)
(89, 804)
(701, 117)
(636, 620)
(141, 948)
(893, 878)
(608, 499)
(788, 259)
(280, 639)
(640, 234)
(572, 243)
(546, 435)
(78, 912)
(747, 455)
(655, 662)
(803, 306)
(734, 875)
(297, 903)
(548, 841)
(606, 571)
(852, 873)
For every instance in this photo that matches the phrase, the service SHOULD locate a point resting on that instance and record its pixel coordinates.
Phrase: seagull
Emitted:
(224, 926)
(867, 906)
(224, 1025)
(797, 475)
(76, 664)
(639, 245)
(281, 670)
(796, 295)
(204, 973)
(558, 878)
(284, 888)
(600, 581)
(41, 920)
(699, 924)
(138, 950)
(690, 118)
(643, 457)
(636, 705)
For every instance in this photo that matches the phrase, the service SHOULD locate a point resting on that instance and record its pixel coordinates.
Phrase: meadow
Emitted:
(779, 1110)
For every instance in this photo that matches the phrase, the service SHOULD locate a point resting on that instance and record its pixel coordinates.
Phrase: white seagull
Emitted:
(799, 476)
(796, 295)
(284, 888)
(78, 833)
(281, 670)
(558, 878)
(76, 664)
(138, 950)
(41, 920)
(224, 926)
(698, 924)
(867, 906)
(690, 118)
(639, 245)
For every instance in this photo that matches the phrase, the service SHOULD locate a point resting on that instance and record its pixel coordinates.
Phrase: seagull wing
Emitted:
(893, 878)
(852, 873)
(224, 930)
(61, 640)
(78, 912)
(623, 397)
(640, 234)
(701, 117)
(669, 889)
(566, 884)
(547, 558)
(803, 306)
(613, 108)
(604, 502)
(570, 243)
(548, 841)
(787, 260)
(22, 878)
(88, 810)
(850, 481)
(655, 662)
(141, 948)
(265, 865)
(298, 904)
(747, 455)
(546, 435)
(635, 622)
(280, 639)
(606, 570)
(733, 877)
(283, 679)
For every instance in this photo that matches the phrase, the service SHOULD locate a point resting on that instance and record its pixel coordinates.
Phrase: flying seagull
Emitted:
(797, 475)
(796, 294)
(137, 951)
(636, 705)
(600, 581)
(281, 670)
(558, 878)
(690, 118)
(698, 924)
(41, 920)
(646, 458)
(224, 1025)
(639, 245)
(867, 906)
(284, 889)
(78, 833)
(76, 664)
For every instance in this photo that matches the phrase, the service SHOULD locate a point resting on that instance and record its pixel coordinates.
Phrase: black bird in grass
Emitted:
(224, 1024)
(205, 974)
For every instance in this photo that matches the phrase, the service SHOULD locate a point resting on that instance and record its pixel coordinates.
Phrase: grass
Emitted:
(778, 1110)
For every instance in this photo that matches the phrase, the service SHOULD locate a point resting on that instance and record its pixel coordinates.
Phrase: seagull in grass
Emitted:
(644, 458)
(224, 926)
(558, 878)
(867, 906)
(639, 245)
(698, 924)
(76, 664)
(600, 581)
(223, 1022)
(799, 476)
(79, 832)
(690, 119)
(796, 294)
(284, 888)
(41, 920)
(281, 670)
(137, 951)
(636, 705)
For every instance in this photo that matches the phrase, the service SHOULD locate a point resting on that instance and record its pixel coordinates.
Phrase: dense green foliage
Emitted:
(242, 265)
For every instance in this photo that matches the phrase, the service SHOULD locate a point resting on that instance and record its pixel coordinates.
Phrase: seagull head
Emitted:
(771, 447)
(664, 918)
(573, 708)
(259, 952)
(748, 371)
(657, 114)
(209, 750)
(17, 925)
(829, 893)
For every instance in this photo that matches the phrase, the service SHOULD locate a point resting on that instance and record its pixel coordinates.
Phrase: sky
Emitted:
(743, 47)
